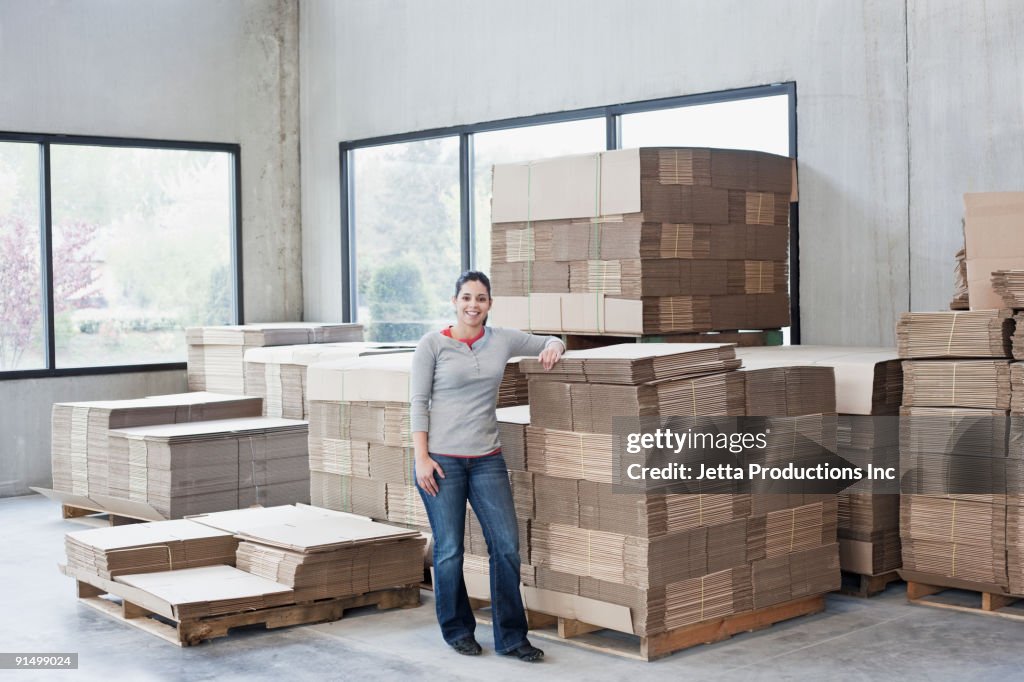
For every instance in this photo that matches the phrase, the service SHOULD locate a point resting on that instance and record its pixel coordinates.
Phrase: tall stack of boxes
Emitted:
(954, 446)
(642, 241)
(672, 559)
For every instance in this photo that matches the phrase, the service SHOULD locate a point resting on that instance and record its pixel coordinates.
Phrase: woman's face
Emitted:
(472, 304)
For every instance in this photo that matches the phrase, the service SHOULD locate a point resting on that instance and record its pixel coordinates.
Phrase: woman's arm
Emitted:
(548, 349)
(421, 388)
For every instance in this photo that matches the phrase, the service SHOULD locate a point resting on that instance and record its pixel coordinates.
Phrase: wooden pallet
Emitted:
(860, 585)
(133, 610)
(767, 337)
(96, 517)
(967, 601)
(652, 647)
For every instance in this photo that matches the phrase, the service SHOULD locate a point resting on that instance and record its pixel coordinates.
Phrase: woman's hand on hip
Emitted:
(551, 354)
(425, 468)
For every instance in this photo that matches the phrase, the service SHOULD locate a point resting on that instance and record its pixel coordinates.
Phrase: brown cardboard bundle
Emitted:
(278, 373)
(1009, 285)
(881, 555)
(955, 334)
(798, 528)
(190, 468)
(638, 278)
(406, 507)
(330, 556)
(216, 356)
(570, 454)
(869, 381)
(363, 496)
(148, 547)
(992, 223)
(79, 433)
(790, 391)
(867, 517)
(955, 538)
(513, 389)
(593, 407)
(512, 423)
(1017, 341)
(628, 237)
(339, 456)
(391, 464)
(791, 576)
(194, 593)
(1015, 544)
(522, 277)
(952, 383)
(635, 363)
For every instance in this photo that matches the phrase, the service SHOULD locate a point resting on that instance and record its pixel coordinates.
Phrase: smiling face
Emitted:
(472, 305)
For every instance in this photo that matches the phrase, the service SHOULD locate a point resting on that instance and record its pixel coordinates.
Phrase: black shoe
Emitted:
(526, 652)
(467, 646)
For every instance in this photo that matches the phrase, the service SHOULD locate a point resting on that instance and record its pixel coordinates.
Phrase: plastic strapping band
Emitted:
(952, 534)
(760, 199)
(760, 276)
(952, 327)
(583, 472)
(675, 251)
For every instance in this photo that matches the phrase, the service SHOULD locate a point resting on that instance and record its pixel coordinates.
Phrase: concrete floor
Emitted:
(854, 639)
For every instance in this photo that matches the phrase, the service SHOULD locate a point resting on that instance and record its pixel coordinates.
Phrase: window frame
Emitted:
(612, 115)
(44, 142)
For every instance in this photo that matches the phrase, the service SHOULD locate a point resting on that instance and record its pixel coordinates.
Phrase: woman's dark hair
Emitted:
(472, 276)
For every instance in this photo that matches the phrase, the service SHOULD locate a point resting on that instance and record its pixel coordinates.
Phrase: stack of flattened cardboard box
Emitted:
(198, 467)
(323, 555)
(953, 448)
(216, 355)
(278, 373)
(868, 390)
(81, 460)
(149, 548)
(671, 559)
(642, 241)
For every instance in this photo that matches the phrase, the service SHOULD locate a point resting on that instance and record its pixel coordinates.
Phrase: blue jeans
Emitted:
(483, 481)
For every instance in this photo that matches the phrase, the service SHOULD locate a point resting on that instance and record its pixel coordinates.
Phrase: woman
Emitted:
(455, 377)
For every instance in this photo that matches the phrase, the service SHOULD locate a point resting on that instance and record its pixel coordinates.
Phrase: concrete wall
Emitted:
(207, 70)
(374, 68)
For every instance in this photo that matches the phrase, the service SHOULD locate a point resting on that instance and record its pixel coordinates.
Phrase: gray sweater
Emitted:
(455, 388)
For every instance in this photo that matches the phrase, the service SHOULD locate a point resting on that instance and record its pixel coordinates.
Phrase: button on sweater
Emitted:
(455, 388)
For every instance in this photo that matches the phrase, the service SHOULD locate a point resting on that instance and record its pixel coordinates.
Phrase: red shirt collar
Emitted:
(447, 331)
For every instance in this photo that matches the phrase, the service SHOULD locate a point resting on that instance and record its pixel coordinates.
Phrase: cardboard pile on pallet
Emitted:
(671, 559)
(198, 467)
(216, 355)
(868, 390)
(642, 241)
(953, 446)
(278, 373)
(317, 561)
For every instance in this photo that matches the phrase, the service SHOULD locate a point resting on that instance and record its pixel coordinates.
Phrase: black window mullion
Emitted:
(46, 253)
(349, 309)
(466, 200)
(612, 131)
(236, 237)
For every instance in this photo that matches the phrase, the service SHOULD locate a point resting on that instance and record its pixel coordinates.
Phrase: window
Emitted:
(406, 214)
(131, 242)
(388, 210)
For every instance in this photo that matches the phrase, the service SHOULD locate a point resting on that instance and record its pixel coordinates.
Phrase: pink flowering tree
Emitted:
(74, 277)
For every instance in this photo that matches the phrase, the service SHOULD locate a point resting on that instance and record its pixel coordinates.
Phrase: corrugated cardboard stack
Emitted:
(953, 430)
(278, 373)
(642, 241)
(216, 355)
(80, 457)
(148, 548)
(323, 555)
(672, 559)
(868, 390)
(197, 467)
